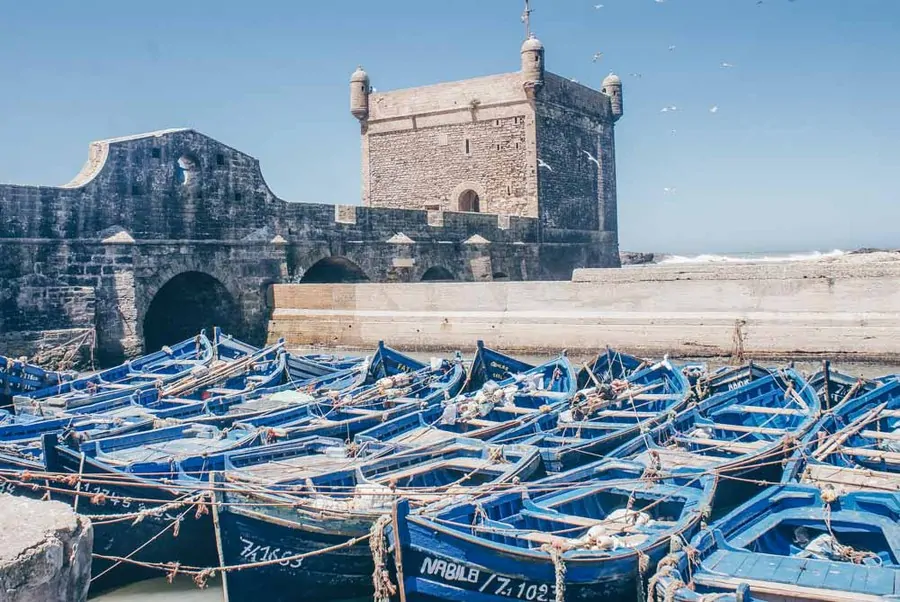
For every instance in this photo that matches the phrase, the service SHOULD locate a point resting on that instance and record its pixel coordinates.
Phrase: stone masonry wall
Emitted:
(45, 551)
(430, 167)
(571, 125)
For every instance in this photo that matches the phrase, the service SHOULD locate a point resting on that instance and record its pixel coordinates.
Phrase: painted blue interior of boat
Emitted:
(167, 362)
(364, 407)
(869, 423)
(768, 540)
(168, 443)
(538, 391)
(549, 506)
(432, 466)
(566, 441)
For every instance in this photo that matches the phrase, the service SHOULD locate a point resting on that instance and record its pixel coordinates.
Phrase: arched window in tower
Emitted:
(469, 202)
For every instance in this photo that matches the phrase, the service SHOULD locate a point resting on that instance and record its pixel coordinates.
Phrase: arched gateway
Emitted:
(186, 304)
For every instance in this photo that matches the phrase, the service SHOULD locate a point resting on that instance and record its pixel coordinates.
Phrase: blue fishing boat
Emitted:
(742, 435)
(497, 408)
(246, 373)
(330, 515)
(795, 543)
(149, 371)
(604, 416)
(610, 365)
(491, 365)
(314, 365)
(136, 513)
(728, 378)
(18, 377)
(403, 386)
(595, 533)
(835, 387)
(855, 447)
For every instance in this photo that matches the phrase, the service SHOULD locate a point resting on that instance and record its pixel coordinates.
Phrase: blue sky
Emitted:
(804, 151)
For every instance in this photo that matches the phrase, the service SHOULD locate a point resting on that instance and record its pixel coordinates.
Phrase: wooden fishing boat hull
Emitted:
(265, 532)
(273, 528)
(124, 523)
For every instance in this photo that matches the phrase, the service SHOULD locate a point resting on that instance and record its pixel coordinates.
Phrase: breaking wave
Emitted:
(752, 257)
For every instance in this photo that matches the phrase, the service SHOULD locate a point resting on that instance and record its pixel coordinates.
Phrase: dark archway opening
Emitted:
(500, 276)
(187, 304)
(333, 270)
(437, 274)
(469, 201)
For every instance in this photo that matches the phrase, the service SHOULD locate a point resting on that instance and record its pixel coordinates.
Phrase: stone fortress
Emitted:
(506, 177)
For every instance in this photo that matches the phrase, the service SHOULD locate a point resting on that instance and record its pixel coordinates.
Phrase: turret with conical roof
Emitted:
(533, 63)
(359, 94)
(612, 87)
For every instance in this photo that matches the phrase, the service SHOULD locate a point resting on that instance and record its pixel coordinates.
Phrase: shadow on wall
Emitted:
(437, 274)
(332, 270)
(187, 304)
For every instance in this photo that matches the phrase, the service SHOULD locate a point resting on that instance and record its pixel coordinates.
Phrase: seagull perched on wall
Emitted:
(541, 163)
(591, 157)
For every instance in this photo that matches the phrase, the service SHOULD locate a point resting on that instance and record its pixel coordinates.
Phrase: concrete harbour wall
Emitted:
(846, 309)
(45, 552)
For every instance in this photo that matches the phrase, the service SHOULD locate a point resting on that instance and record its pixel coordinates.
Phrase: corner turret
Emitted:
(612, 87)
(359, 94)
(532, 64)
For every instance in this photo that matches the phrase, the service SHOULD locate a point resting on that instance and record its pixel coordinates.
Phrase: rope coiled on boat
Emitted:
(559, 569)
(381, 579)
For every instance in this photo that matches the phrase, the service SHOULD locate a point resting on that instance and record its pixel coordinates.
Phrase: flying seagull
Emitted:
(591, 157)
(668, 190)
(726, 65)
(541, 163)
(668, 109)
(598, 56)
(714, 109)
(598, 6)
(672, 48)
(637, 75)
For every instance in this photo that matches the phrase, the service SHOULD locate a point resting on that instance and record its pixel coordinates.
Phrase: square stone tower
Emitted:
(530, 144)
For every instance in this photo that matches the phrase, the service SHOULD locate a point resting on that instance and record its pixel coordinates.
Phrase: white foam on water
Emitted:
(752, 258)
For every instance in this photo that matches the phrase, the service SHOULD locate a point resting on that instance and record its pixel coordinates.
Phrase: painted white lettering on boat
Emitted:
(256, 552)
(738, 384)
(450, 571)
(488, 582)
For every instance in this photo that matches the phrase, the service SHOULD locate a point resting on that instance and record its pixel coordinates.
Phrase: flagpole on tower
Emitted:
(526, 19)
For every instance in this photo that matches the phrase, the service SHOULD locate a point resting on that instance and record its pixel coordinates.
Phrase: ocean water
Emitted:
(750, 257)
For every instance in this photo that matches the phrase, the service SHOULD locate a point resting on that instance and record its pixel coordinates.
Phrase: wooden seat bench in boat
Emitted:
(888, 435)
(729, 446)
(851, 478)
(877, 454)
(624, 414)
(763, 410)
(748, 429)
